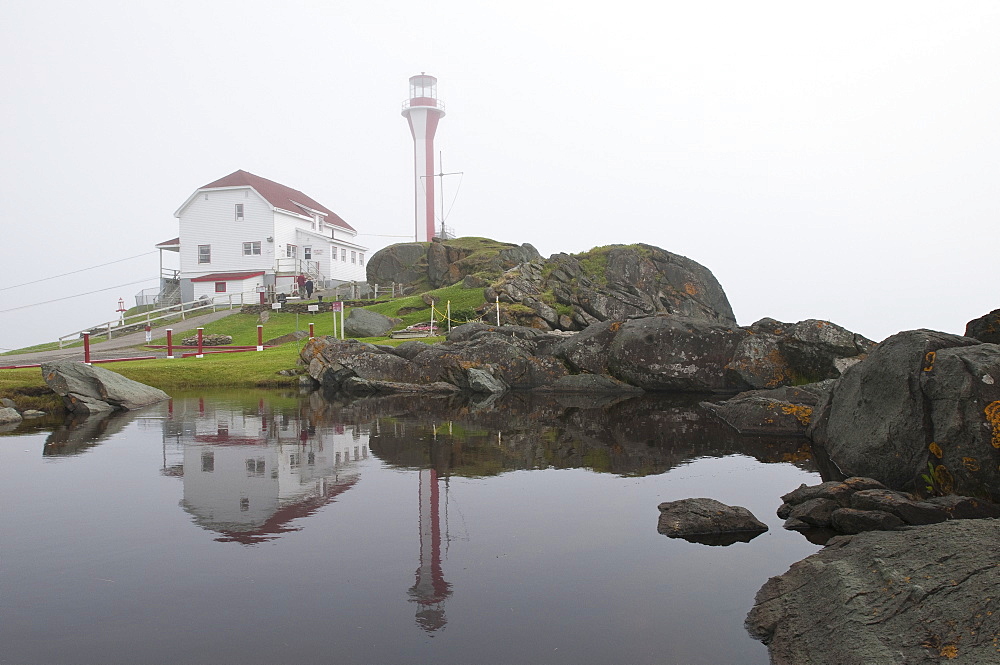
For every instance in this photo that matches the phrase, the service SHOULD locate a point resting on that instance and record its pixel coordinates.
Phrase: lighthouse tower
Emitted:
(423, 110)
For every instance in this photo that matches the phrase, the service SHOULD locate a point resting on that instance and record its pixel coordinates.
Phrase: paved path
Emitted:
(119, 347)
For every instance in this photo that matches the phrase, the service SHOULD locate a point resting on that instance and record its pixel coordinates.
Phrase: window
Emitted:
(251, 248)
(343, 255)
(333, 253)
(292, 251)
(208, 462)
(361, 258)
(307, 253)
(204, 253)
(220, 287)
(239, 212)
(354, 257)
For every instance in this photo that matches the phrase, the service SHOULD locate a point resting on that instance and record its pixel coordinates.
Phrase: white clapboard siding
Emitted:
(210, 219)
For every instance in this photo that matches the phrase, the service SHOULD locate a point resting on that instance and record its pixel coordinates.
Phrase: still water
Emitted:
(269, 527)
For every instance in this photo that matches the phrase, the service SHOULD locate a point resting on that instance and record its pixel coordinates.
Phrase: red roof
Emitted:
(169, 243)
(278, 195)
(227, 276)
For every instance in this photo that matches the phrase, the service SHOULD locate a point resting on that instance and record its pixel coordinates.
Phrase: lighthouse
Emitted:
(422, 111)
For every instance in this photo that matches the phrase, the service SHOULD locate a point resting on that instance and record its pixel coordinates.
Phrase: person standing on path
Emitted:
(309, 289)
(301, 281)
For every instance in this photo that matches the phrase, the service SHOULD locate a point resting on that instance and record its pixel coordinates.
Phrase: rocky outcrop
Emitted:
(986, 328)
(920, 413)
(207, 340)
(656, 354)
(778, 411)
(777, 354)
(707, 519)
(864, 504)
(926, 594)
(442, 263)
(570, 292)
(365, 323)
(86, 389)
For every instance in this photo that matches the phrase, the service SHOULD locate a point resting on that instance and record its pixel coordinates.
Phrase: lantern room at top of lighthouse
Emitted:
(423, 92)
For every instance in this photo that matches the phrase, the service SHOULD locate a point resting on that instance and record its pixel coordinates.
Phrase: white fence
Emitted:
(137, 322)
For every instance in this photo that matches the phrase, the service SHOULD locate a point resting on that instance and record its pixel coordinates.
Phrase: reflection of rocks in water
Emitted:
(80, 433)
(641, 435)
(722, 539)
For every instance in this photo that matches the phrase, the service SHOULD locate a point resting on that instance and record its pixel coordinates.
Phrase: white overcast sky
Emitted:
(834, 160)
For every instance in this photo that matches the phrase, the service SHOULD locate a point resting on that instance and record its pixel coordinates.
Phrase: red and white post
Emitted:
(260, 337)
(201, 338)
(170, 343)
(86, 348)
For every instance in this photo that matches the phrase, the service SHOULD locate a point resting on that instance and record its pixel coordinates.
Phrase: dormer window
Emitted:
(239, 212)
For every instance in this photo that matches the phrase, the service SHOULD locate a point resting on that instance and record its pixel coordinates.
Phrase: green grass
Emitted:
(463, 301)
(47, 346)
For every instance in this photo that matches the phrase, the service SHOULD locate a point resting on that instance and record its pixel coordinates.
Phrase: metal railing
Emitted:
(136, 322)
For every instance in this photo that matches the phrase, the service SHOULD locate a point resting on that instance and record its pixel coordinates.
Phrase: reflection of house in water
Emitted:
(248, 473)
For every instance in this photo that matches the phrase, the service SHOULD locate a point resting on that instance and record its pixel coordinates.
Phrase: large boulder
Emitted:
(441, 263)
(923, 403)
(608, 283)
(88, 389)
(926, 594)
(776, 353)
(365, 323)
(986, 328)
(672, 353)
(9, 415)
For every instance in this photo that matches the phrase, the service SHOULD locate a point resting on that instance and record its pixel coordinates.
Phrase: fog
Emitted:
(834, 161)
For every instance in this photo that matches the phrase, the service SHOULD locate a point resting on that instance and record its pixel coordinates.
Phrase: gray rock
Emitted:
(670, 353)
(365, 323)
(589, 383)
(32, 413)
(776, 353)
(921, 396)
(481, 381)
(410, 348)
(294, 336)
(8, 403)
(85, 388)
(965, 507)
(814, 513)
(9, 415)
(986, 328)
(613, 283)
(899, 504)
(853, 520)
(762, 415)
(926, 594)
(700, 517)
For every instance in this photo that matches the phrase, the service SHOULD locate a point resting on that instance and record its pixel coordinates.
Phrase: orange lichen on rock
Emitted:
(970, 463)
(992, 412)
(929, 360)
(690, 289)
(936, 450)
(801, 412)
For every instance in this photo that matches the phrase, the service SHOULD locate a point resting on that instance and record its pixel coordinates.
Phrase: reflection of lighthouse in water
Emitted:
(430, 589)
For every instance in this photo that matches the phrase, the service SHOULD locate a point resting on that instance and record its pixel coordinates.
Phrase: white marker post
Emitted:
(498, 310)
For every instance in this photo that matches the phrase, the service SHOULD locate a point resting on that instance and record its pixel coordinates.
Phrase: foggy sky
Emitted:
(824, 160)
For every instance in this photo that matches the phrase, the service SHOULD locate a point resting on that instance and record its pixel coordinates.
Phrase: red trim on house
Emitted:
(227, 276)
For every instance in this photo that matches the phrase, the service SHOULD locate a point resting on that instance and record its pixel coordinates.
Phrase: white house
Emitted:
(242, 232)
